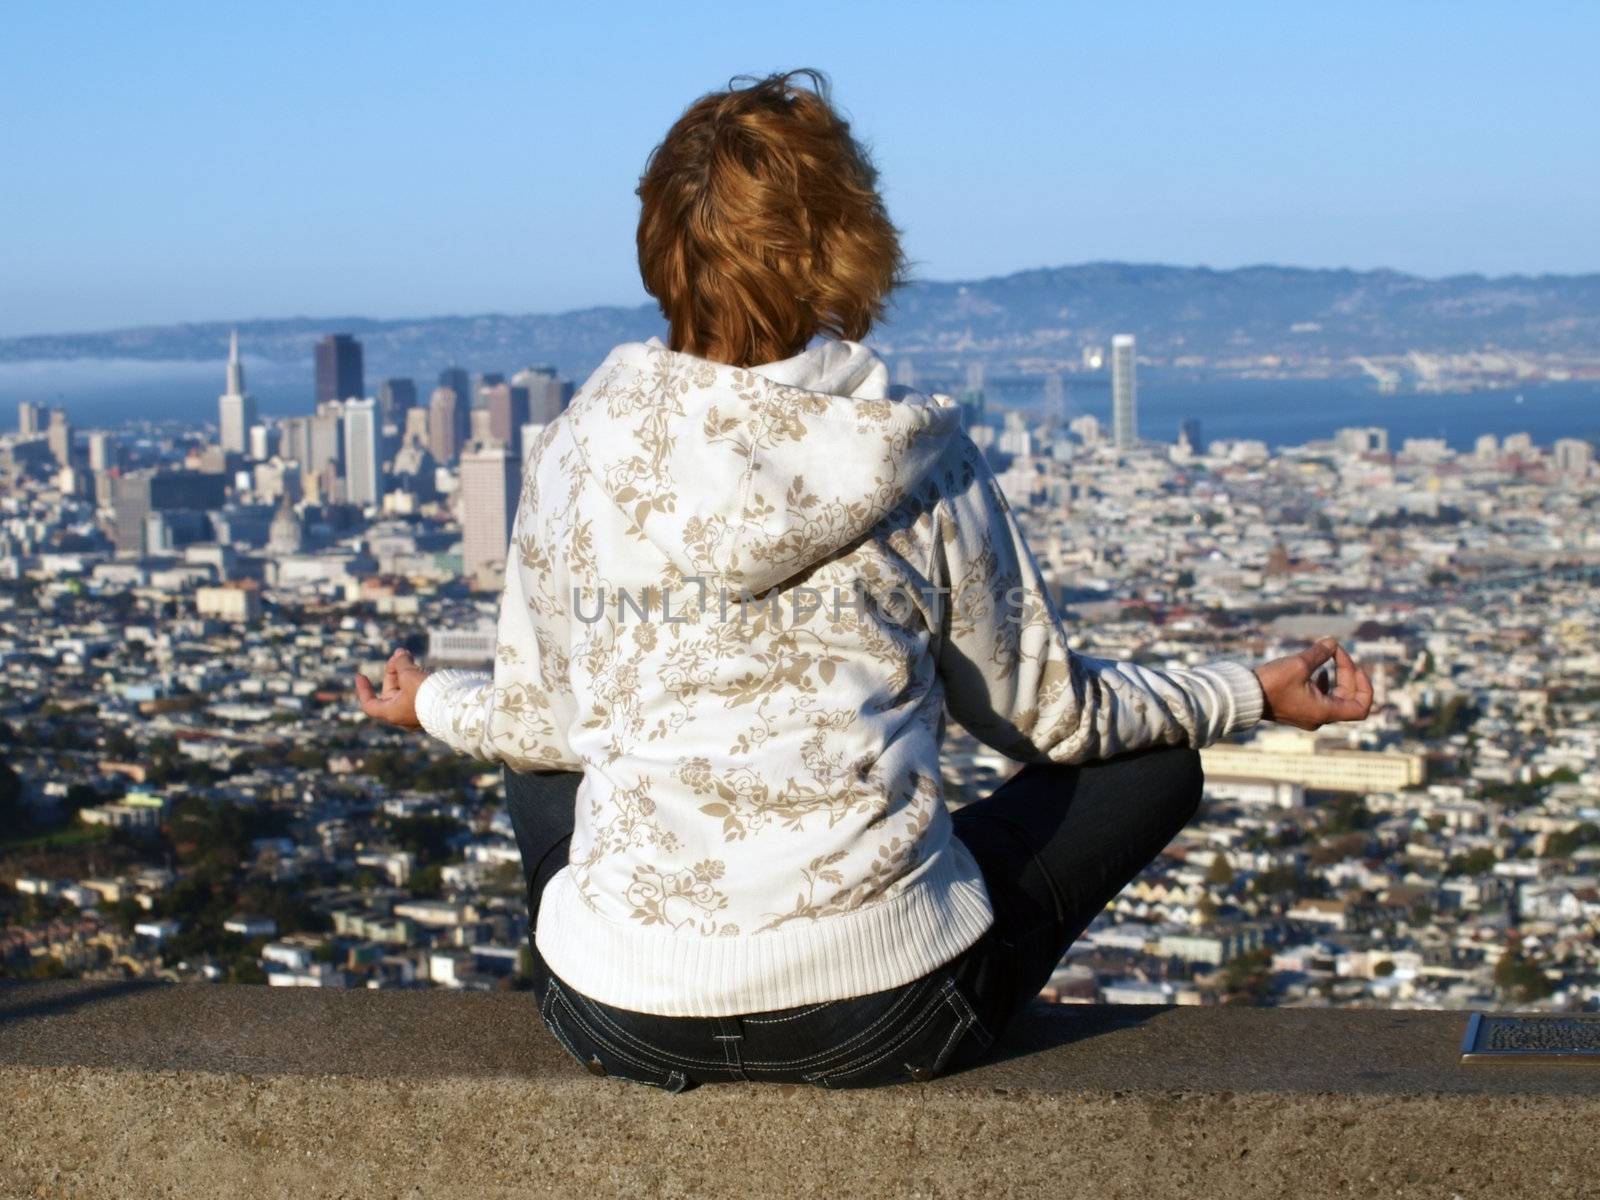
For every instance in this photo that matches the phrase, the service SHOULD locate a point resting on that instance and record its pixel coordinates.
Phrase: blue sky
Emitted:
(175, 161)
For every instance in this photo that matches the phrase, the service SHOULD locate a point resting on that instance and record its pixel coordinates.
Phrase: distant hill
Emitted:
(1189, 316)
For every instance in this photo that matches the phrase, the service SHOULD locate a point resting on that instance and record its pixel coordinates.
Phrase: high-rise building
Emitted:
(1189, 432)
(444, 424)
(260, 443)
(183, 496)
(396, 397)
(339, 370)
(30, 419)
(363, 453)
(1572, 457)
(415, 432)
(60, 436)
(489, 484)
(1124, 393)
(103, 451)
(236, 411)
(325, 446)
(507, 406)
(547, 393)
(294, 441)
(1055, 400)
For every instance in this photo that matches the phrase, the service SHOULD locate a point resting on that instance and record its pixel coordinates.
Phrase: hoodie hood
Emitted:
(746, 476)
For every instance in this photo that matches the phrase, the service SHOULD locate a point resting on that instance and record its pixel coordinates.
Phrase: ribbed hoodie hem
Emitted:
(849, 954)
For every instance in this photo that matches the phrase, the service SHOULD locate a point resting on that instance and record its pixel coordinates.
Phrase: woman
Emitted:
(747, 579)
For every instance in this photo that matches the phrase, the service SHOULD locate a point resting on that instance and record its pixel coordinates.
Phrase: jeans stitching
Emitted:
(638, 1044)
(872, 1058)
(906, 1000)
(604, 1044)
(796, 1016)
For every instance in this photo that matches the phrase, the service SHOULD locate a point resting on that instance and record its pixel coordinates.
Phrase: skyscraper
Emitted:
(236, 411)
(30, 419)
(1124, 394)
(507, 406)
(1055, 400)
(325, 444)
(363, 470)
(60, 435)
(444, 424)
(339, 371)
(396, 397)
(547, 393)
(489, 479)
(139, 494)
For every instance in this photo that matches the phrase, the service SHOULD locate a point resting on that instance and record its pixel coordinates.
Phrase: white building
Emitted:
(489, 484)
(363, 453)
(1124, 393)
(236, 411)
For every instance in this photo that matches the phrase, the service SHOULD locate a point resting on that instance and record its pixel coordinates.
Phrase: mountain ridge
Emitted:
(1035, 318)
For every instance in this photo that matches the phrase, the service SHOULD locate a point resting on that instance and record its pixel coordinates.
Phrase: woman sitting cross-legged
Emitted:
(747, 580)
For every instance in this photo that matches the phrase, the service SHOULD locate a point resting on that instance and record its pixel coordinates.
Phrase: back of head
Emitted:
(761, 226)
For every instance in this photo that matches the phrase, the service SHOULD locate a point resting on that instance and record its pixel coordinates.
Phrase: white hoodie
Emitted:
(740, 600)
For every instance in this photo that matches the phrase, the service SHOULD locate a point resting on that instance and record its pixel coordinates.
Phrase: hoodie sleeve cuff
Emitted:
(438, 698)
(1246, 701)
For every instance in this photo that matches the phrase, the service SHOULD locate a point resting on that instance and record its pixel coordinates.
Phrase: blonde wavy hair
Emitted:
(761, 226)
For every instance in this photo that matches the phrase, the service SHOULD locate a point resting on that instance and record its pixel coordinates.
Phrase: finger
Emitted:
(391, 676)
(1317, 654)
(365, 695)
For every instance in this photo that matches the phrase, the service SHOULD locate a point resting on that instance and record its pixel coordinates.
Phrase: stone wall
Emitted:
(139, 1090)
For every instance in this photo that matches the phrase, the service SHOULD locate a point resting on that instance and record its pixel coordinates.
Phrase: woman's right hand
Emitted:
(1295, 695)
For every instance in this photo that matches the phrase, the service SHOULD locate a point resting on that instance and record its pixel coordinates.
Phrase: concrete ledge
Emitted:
(134, 1090)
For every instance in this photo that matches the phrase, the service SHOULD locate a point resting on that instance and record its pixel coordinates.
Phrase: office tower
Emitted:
(1055, 400)
(480, 431)
(444, 426)
(1486, 448)
(971, 400)
(339, 371)
(489, 480)
(1572, 457)
(507, 406)
(182, 496)
(103, 451)
(415, 432)
(1189, 432)
(482, 381)
(30, 419)
(455, 378)
(60, 436)
(294, 440)
(547, 393)
(1124, 393)
(260, 443)
(362, 453)
(236, 411)
(325, 446)
(396, 397)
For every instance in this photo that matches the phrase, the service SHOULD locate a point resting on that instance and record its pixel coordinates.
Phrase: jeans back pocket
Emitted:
(598, 1054)
(914, 1050)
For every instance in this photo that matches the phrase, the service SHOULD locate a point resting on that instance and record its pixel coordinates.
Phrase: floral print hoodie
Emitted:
(741, 601)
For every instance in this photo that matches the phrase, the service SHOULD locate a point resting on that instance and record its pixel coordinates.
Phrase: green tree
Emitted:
(1520, 978)
(1220, 872)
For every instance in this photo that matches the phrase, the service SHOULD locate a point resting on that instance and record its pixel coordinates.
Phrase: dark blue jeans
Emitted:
(1055, 844)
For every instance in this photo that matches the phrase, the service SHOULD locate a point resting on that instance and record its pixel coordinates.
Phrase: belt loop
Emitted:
(729, 1035)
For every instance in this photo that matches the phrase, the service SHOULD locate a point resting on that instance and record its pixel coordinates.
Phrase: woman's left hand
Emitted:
(397, 703)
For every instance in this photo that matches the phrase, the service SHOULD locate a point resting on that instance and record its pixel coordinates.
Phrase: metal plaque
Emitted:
(1537, 1039)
